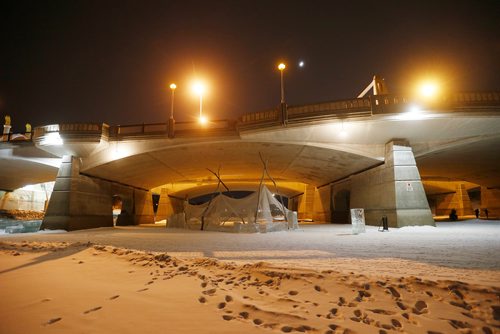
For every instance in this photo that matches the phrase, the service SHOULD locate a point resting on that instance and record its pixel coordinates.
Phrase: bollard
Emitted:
(384, 225)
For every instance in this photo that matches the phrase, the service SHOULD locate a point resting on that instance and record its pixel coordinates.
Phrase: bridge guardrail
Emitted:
(387, 104)
(68, 131)
(181, 129)
(360, 107)
(367, 106)
(335, 109)
(467, 99)
(17, 137)
(261, 116)
(72, 128)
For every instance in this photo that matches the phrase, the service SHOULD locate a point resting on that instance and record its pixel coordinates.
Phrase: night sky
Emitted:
(112, 61)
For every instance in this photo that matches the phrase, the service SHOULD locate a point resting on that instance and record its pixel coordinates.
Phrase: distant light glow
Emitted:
(428, 89)
(173, 86)
(199, 88)
(414, 109)
(120, 152)
(40, 187)
(29, 187)
(343, 132)
(301, 63)
(281, 67)
(203, 120)
(414, 113)
(51, 139)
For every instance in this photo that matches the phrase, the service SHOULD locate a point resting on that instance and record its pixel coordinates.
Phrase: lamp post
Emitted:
(171, 121)
(282, 67)
(199, 89)
(284, 114)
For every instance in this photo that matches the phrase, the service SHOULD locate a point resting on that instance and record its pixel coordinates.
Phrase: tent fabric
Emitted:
(224, 213)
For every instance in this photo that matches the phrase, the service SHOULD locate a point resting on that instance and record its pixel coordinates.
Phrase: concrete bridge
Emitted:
(389, 155)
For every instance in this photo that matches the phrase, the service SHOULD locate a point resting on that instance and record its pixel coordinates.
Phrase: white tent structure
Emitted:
(258, 212)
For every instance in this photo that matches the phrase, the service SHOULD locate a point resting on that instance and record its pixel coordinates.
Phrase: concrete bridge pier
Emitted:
(81, 202)
(393, 189)
(490, 200)
(458, 200)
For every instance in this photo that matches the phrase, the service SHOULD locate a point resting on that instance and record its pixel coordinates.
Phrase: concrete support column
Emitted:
(394, 190)
(168, 205)
(143, 207)
(305, 208)
(490, 199)
(322, 204)
(77, 201)
(341, 197)
(464, 206)
(459, 200)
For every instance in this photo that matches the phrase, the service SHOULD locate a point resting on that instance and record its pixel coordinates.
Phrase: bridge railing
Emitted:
(334, 109)
(342, 108)
(482, 99)
(361, 107)
(137, 129)
(260, 116)
(368, 106)
(73, 129)
(18, 137)
(181, 129)
(471, 101)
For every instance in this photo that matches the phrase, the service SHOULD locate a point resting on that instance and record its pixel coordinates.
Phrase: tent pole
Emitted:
(210, 202)
(258, 194)
(217, 175)
(276, 188)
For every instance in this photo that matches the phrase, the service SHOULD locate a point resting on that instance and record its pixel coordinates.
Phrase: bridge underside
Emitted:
(238, 162)
(23, 164)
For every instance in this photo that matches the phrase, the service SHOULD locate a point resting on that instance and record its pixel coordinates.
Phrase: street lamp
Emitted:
(428, 89)
(171, 121)
(172, 87)
(199, 88)
(282, 67)
(283, 110)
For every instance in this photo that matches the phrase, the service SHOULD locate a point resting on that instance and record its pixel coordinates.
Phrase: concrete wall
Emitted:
(393, 190)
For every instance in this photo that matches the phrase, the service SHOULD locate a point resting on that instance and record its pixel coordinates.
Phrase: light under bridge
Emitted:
(382, 153)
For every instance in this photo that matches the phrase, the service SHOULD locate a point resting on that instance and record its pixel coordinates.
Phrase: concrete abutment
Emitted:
(81, 202)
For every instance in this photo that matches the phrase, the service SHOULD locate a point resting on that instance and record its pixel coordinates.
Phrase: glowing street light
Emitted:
(171, 121)
(199, 88)
(282, 67)
(172, 88)
(428, 89)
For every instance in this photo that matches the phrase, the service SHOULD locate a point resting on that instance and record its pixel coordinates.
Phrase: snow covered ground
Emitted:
(471, 245)
(319, 279)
